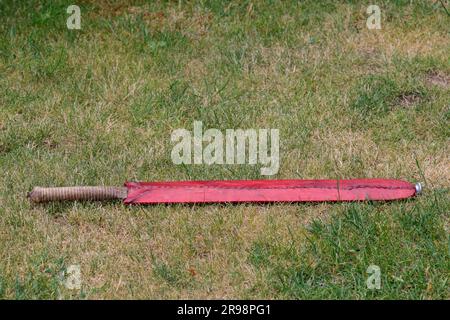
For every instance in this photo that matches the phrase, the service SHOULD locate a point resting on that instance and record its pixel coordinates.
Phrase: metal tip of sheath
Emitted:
(418, 188)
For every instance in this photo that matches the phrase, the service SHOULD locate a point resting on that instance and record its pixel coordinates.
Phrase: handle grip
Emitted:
(39, 194)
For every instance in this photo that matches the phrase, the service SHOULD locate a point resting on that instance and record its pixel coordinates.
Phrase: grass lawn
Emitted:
(97, 106)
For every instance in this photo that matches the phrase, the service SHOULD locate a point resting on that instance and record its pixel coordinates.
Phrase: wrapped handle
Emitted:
(39, 194)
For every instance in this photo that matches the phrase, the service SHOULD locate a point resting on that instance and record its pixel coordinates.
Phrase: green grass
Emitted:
(333, 261)
(97, 106)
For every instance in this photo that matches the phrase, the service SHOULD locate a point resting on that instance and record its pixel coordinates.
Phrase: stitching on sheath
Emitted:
(273, 188)
(148, 189)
